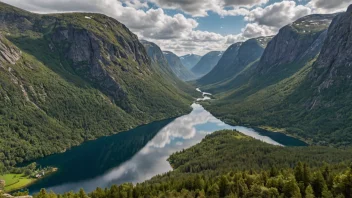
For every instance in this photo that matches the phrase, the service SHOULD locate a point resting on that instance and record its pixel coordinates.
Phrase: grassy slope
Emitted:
(16, 181)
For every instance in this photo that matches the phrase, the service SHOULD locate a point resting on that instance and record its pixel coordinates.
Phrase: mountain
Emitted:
(190, 60)
(300, 85)
(206, 63)
(160, 62)
(296, 43)
(68, 78)
(235, 59)
(177, 67)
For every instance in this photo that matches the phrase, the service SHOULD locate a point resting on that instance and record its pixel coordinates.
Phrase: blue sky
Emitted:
(220, 24)
(194, 26)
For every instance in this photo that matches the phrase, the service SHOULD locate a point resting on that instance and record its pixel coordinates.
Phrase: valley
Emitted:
(128, 156)
(92, 108)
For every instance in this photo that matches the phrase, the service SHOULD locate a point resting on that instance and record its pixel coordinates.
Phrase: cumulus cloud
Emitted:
(175, 33)
(329, 6)
(253, 30)
(278, 14)
(202, 7)
(153, 23)
(136, 3)
(245, 3)
(178, 32)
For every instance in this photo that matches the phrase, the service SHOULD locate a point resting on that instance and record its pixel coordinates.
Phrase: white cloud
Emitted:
(278, 14)
(328, 6)
(175, 33)
(253, 30)
(136, 3)
(178, 33)
(202, 7)
(153, 23)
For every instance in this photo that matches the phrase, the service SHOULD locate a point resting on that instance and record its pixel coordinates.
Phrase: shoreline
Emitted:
(34, 180)
(264, 127)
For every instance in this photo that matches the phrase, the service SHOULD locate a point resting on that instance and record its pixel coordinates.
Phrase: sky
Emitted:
(194, 26)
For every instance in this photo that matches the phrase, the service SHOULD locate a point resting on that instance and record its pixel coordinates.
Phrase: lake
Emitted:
(138, 154)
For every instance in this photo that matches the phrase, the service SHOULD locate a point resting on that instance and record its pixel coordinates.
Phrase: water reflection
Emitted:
(141, 159)
(149, 161)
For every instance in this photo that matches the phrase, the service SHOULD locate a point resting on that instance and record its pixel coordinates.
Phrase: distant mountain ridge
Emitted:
(235, 59)
(177, 67)
(190, 60)
(160, 61)
(207, 63)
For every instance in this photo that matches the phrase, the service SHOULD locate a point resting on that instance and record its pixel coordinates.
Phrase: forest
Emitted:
(201, 172)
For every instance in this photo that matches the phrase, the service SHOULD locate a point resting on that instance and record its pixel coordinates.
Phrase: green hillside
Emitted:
(291, 89)
(68, 78)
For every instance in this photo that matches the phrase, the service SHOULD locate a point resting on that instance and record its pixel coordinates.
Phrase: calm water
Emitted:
(139, 154)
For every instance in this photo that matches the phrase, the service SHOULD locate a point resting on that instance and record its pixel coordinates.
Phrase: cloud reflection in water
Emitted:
(182, 133)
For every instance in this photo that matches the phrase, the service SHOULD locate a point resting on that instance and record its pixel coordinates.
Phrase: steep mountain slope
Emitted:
(175, 63)
(207, 63)
(160, 62)
(67, 78)
(285, 90)
(236, 58)
(296, 43)
(190, 60)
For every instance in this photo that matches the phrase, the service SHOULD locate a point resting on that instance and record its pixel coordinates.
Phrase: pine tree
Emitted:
(326, 193)
(82, 194)
(318, 184)
(299, 172)
(223, 186)
(309, 193)
(306, 175)
(291, 189)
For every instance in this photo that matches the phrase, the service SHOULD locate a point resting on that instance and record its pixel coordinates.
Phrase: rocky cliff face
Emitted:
(91, 54)
(207, 63)
(177, 67)
(333, 67)
(297, 42)
(8, 53)
(154, 52)
(190, 60)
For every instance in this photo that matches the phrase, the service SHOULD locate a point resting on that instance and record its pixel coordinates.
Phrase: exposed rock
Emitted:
(334, 64)
(301, 40)
(157, 56)
(91, 55)
(8, 53)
